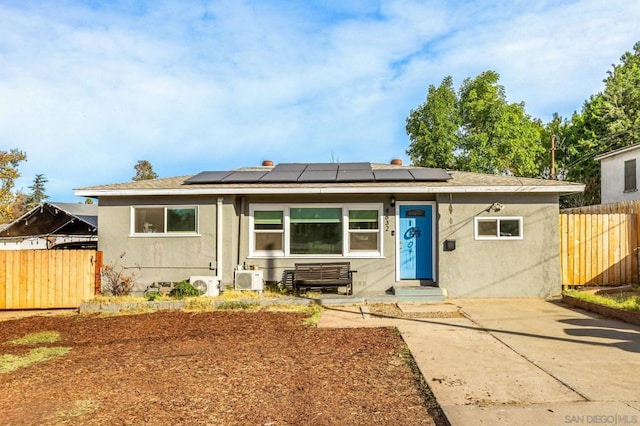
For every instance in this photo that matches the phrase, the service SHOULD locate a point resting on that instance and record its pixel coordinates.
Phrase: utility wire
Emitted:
(591, 155)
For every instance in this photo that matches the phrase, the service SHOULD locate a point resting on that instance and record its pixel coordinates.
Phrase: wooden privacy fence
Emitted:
(41, 279)
(628, 207)
(599, 249)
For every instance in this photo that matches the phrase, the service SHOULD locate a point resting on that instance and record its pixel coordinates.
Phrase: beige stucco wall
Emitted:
(500, 268)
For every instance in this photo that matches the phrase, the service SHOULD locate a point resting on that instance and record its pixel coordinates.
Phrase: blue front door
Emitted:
(416, 242)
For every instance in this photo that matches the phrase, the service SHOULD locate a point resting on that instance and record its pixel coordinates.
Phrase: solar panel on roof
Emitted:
(434, 175)
(322, 166)
(247, 176)
(393, 175)
(207, 177)
(275, 176)
(318, 176)
(354, 176)
(286, 167)
(354, 166)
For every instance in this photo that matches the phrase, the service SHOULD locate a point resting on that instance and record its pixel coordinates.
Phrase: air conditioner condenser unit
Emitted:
(206, 285)
(248, 280)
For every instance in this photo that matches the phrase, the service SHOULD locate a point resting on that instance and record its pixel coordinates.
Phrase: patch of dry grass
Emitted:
(37, 338)
(9, 363)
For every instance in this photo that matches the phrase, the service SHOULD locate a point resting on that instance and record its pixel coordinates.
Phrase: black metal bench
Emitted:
(323, 275)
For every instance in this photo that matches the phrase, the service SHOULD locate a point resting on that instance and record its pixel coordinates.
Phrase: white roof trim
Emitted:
(616, 152)
(329, 190)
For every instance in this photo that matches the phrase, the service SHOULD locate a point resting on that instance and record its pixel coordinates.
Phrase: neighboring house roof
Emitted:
(259, 180)
(617, 152)
(54, 219)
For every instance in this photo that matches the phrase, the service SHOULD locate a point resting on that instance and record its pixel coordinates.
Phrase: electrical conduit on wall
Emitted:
(219, 239)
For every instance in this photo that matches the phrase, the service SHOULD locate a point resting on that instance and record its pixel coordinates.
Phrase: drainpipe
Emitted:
(240, 228)
(219, 239)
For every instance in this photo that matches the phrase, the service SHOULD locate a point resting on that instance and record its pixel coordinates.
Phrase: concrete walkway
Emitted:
(520, 361)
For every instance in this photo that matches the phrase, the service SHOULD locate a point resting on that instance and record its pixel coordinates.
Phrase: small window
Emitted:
(498, 228)
(363, 230)
(268, 228)
(165, 220)
(630, 176)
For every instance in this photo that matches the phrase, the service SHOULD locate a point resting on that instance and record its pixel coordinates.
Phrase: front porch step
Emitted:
(419, 294)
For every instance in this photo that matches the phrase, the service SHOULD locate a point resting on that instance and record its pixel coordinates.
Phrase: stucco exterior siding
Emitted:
(612, 177)
(156, 258)
(529, 267)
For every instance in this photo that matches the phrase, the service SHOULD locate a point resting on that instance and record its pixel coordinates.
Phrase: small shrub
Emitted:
(153, 296)
(184, 289)
(116, 281)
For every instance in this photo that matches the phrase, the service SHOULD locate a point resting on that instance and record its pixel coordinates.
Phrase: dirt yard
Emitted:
(218, 368)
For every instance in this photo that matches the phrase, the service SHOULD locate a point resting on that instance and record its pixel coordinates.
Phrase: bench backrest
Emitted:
(322, 271)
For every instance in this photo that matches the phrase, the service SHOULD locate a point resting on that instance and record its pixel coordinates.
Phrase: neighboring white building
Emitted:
(619, 174)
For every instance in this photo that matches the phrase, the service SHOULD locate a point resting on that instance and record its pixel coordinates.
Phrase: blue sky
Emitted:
(88, 88)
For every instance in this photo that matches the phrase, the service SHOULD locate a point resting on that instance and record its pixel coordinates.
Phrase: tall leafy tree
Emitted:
(433, 127)
(608, 120)
(475, 130)
(144, 171)
(38, 191)
(9, 162)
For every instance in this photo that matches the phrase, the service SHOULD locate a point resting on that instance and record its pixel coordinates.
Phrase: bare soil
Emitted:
(221, 368)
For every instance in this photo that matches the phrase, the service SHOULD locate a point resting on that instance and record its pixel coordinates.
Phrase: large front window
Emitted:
(323, 230)
(165, 220)
(316, 230)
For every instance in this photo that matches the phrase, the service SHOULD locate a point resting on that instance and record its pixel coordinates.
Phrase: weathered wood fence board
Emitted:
(599, 249)
(41, 279)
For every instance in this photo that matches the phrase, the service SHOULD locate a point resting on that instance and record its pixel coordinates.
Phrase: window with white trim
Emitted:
(325, 230)
(498, 228)
(268, 235)
(165, 220)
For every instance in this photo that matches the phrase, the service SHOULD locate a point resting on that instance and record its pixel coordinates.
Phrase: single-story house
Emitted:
(473, 235)
(619, 174)
(53, 226)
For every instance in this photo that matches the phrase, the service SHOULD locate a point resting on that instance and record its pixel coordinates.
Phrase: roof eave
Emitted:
(232, 190)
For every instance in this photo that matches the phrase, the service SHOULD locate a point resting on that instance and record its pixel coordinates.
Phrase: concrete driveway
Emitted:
(521, 361)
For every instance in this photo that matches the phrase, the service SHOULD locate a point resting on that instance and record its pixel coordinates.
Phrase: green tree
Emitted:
(38, 192)
(9, 162)
(608, 120)
(144, 171)
(475, 130)
(433, 127)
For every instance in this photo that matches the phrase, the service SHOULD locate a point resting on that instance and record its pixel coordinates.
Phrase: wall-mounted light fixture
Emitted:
(393, 201)
(496, 207)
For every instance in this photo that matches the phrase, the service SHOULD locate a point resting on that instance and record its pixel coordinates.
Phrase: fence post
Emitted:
(98, 281)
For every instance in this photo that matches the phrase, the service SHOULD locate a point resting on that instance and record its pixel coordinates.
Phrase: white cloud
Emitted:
(88, 91)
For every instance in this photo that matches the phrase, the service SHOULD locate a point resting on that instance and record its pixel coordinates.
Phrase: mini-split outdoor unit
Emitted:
(206, 285)
(249, 280)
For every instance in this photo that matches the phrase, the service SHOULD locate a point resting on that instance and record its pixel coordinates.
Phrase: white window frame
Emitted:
(132, 229)
(252, 234)
(286, 209)
(498, 219)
